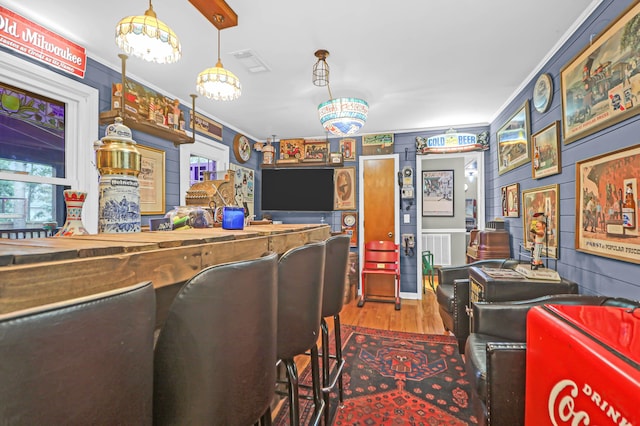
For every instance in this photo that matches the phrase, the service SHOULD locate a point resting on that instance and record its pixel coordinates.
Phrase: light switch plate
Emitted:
(407, 218)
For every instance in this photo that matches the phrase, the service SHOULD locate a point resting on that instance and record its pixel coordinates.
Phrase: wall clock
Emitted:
(241, 148)
(350, 227)
(542, 93)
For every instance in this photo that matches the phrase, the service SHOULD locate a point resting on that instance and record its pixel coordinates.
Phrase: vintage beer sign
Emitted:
(30, 39)
(452, 141)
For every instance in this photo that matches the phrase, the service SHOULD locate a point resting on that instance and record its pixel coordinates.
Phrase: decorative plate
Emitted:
(542, 93)
(241, 148)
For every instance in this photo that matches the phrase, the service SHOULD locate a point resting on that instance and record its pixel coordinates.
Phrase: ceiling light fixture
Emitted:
(341, 116)
(148, 38)
(216, 82)
(321, 69)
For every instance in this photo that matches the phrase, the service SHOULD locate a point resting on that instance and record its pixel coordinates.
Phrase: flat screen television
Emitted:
(299, 189)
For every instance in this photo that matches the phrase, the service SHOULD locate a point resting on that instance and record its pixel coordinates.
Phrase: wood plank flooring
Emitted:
(414, 316)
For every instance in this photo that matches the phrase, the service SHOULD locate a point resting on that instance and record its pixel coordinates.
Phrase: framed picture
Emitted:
(513, 140)
(607, 206)
(316, 151)
(344, 179)
(151, 180)
(437, 193)
(291, 150)
(350, 227)
(545, 199)
(503, 199)
(512, 193)
(336, 159)
(600, 85)
(546, 151)
(377, 144)
(348, 149)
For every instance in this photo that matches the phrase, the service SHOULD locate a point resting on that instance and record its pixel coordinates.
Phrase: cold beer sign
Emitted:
(30, 39)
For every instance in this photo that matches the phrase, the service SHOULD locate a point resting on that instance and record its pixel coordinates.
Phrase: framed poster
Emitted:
(512, 194)
(546, 151)
(348, 149)
(599, 87)
(345, 188)
(545, 199)
(437, 193)
(151, 180)
(243, 188)
(316, 151)
(291, 150)
(377, 144)
(513, 140)
(607, 206)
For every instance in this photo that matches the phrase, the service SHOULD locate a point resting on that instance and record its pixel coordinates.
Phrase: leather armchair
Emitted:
(495, 355)
(452, 295)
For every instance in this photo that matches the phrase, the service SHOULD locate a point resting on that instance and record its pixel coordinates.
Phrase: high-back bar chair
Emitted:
(216, 352)
(85, 361)
(300, 288)
(335, 282)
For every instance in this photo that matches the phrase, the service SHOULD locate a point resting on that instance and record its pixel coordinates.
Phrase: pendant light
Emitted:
(216, 82)
(340, 116)
(148, 38)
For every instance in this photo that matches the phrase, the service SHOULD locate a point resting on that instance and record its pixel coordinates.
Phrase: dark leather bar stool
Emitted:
(85, 361)
(300, 288)
(215, 355)
(335, 271)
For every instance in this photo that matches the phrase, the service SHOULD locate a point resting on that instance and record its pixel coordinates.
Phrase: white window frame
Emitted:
(81, 128)
(203, 147)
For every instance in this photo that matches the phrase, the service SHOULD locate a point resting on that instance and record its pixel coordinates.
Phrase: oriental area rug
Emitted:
(394, 378)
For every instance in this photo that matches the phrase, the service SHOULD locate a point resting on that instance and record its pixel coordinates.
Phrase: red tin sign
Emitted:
(30, 39)
(582, 366)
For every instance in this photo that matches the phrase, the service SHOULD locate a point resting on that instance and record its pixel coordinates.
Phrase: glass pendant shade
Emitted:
(343, 116)
(148, 38)
(219, 84)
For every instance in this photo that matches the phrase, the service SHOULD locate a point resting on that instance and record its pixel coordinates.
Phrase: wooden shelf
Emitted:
(316, 164)
(178, 138)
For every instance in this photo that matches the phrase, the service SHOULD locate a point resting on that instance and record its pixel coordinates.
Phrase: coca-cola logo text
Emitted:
(563, 410)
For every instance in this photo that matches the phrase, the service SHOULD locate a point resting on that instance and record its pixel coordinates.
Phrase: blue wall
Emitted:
(597, 275)
(594, 274)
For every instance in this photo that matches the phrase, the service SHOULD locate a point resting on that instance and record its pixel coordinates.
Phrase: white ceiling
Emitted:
(420, 64)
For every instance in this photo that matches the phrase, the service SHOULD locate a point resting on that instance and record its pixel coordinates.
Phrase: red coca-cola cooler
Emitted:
(583, 366)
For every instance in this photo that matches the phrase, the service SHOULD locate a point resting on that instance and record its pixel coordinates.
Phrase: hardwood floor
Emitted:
(414, 316)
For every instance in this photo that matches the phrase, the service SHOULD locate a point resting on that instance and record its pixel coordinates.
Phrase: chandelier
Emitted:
(216, 82)
(340, 116)
(148, 38)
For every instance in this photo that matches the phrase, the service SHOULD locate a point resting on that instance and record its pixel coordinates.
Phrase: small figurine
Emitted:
(539, 232)
(176, 114)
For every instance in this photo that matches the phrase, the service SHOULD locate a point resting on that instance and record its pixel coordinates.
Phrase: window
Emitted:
(32, 143)
(203, 155)
(48, 124)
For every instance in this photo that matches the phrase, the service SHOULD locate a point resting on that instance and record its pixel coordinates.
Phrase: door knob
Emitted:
(390, 234)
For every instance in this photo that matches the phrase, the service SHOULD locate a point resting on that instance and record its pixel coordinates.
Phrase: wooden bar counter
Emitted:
(45, 270)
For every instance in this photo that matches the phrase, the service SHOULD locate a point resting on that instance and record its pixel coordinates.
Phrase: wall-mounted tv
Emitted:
(299, 189)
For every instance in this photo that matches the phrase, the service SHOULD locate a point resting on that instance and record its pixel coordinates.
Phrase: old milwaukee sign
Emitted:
(30, 39)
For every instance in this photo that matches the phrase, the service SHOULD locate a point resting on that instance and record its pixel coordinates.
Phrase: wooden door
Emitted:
(379, 207)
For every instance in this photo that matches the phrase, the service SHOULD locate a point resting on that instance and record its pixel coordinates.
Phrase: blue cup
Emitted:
(233, 218)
